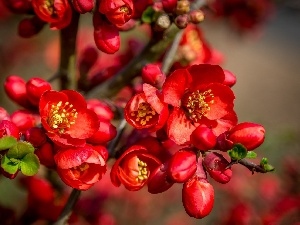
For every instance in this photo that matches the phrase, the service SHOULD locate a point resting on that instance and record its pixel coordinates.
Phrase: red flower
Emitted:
(199, 98)
(147, 110)
(133, 168)
(65, 117)
(118, 12)
(80, 167)
(56, 12)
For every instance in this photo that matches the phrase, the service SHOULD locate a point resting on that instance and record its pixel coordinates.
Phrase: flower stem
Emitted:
(65, 214)
(67, 67)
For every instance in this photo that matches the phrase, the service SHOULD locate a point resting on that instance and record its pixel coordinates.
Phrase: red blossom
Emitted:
(57, 12)
(65, 117)
(199, 98)
(133, 168)
(80, 167)
(35, 87)
(146, 109)
(118, 12)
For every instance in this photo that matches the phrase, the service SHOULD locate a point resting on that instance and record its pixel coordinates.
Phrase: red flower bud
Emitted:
(118, 12)
(45, 153)
(203, 138)
(35, 87)
(83, 6)
(230, 78)
(36, 136)
(250, 135)
(8, 128)
(197, 197)
(18, 6)
(105, 133)
(87, 59)
(215, 165)
(24, 119)
(182, 165)
(80, 167)
(152, 74)
(29, 27)
(182, 21)
(158, 181)
(133, 168)
(102, 110)
(169, 5)
(15, 88)
(106, 35)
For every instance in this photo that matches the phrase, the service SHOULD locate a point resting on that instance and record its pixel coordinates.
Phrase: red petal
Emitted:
(179, 127)
(205, 74)
(175, 85)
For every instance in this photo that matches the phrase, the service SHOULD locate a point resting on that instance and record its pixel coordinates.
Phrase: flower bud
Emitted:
(8, 128)
(158, 181)
(29, 27)
(182, 166)
(169, 5)
(36, 136)
(182, 21)
(250, 135)
(23, 119)
(45, 153)
(118, 12)
(197, 197)
(230, 78)
(106, 35)
(162, 22)
(183, 6)
(196, 16)
(35, 87)
(18, 6)
(15, 88)
(215, 165)
(83, 6)
(129, 25)
(106, 132)
(152, 74)
(87, 59)
(102, 110)
(203, 138)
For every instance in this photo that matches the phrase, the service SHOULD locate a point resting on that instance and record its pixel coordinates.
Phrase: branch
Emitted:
(65, 214)
(67, 67)
(252, 166)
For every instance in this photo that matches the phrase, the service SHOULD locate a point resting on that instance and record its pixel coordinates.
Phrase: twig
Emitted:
(115, 141)
(252, 166)
(65, 214)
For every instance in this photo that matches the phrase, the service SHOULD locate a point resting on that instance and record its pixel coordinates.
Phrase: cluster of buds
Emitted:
(189, 117)
(72, 137)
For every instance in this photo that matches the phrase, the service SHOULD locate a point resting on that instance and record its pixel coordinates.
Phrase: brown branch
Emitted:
(252, 166)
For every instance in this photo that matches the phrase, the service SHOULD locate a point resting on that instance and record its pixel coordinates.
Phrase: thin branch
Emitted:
(67, 67)
(65, 214)
(252, 166)
(113, 144)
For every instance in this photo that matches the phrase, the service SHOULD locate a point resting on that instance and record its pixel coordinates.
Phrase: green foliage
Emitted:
(7, 142)
(237, 152)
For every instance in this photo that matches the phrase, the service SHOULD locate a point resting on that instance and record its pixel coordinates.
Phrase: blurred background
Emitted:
(267, 65)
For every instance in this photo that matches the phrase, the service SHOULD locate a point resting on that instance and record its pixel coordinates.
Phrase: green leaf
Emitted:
(251, 155)
(30, 164)
(19, 150)
(263, 161)
(9, 166)
(7, 142)
(147, 16)
(237, 152)
(267, 167)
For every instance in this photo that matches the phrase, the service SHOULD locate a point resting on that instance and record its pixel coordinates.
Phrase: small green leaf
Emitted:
(263, 161)
(9, 166)
(237, 152)
(30, 164)
(268, 167)
(7, 142)
(251, 155)
(19, 150)
(147, 16)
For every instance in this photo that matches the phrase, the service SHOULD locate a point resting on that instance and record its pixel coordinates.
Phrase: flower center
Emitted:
(198, 104)
(143, 172)
(124, 9)
(144, 113)
(80, 170)
(62, 116)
